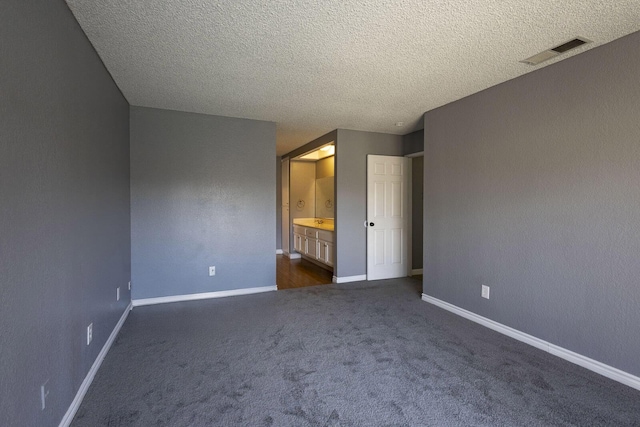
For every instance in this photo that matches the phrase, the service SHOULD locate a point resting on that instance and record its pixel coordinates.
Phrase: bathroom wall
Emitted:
(316, 143)
(325, 188)
(325, 167)
(302, 188)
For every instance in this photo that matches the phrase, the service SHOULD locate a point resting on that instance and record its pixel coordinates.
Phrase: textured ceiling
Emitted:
(312, 66)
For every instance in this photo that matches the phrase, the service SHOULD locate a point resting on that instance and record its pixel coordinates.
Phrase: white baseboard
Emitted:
(586, 362)
(294, 256)
(204, 295)
(416, 271)
(347, 279)
(75, 404)
(279, 252)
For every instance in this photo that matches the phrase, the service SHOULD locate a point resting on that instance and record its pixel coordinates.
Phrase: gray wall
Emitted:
(413, 142)
(203, 192)
(532, 188)
(64, 210)
(352, 148)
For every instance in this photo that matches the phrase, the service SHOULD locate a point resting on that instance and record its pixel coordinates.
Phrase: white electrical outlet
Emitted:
(212, 270)
(129, 285)
(485, 292)
(89, 333)
(44, 392)
(118, 293)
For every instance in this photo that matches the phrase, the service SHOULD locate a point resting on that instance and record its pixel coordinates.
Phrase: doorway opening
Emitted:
(308, 211)
(417, 214)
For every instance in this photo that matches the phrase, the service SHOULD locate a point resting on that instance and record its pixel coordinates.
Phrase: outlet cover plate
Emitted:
(212, 270)
(485, 292)
(44, 392)
(89, 333)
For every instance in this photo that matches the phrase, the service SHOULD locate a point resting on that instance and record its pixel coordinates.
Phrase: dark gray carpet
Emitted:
(341, 355)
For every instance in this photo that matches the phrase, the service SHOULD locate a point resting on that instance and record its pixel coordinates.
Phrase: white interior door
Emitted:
(285, 206)
(387, 216)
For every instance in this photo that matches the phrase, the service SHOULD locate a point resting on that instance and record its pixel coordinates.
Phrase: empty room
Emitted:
(319, 213)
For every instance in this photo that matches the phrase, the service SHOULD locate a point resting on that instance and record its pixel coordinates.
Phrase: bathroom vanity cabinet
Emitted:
(314, 243)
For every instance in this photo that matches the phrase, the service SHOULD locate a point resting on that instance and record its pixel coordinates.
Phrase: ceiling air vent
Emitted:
(555, 51)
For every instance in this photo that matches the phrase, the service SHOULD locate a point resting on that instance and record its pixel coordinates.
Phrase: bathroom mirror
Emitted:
(325, 197)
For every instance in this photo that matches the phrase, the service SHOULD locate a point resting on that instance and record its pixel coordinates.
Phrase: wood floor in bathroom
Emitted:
(298, 273)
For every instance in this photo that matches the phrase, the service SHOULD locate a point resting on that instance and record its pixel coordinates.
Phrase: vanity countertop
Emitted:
(324, 224)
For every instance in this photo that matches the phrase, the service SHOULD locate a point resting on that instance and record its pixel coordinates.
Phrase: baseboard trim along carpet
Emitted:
(347, 279)
(584, 361)
(204, 295)
(75, 405)
(416, 271)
